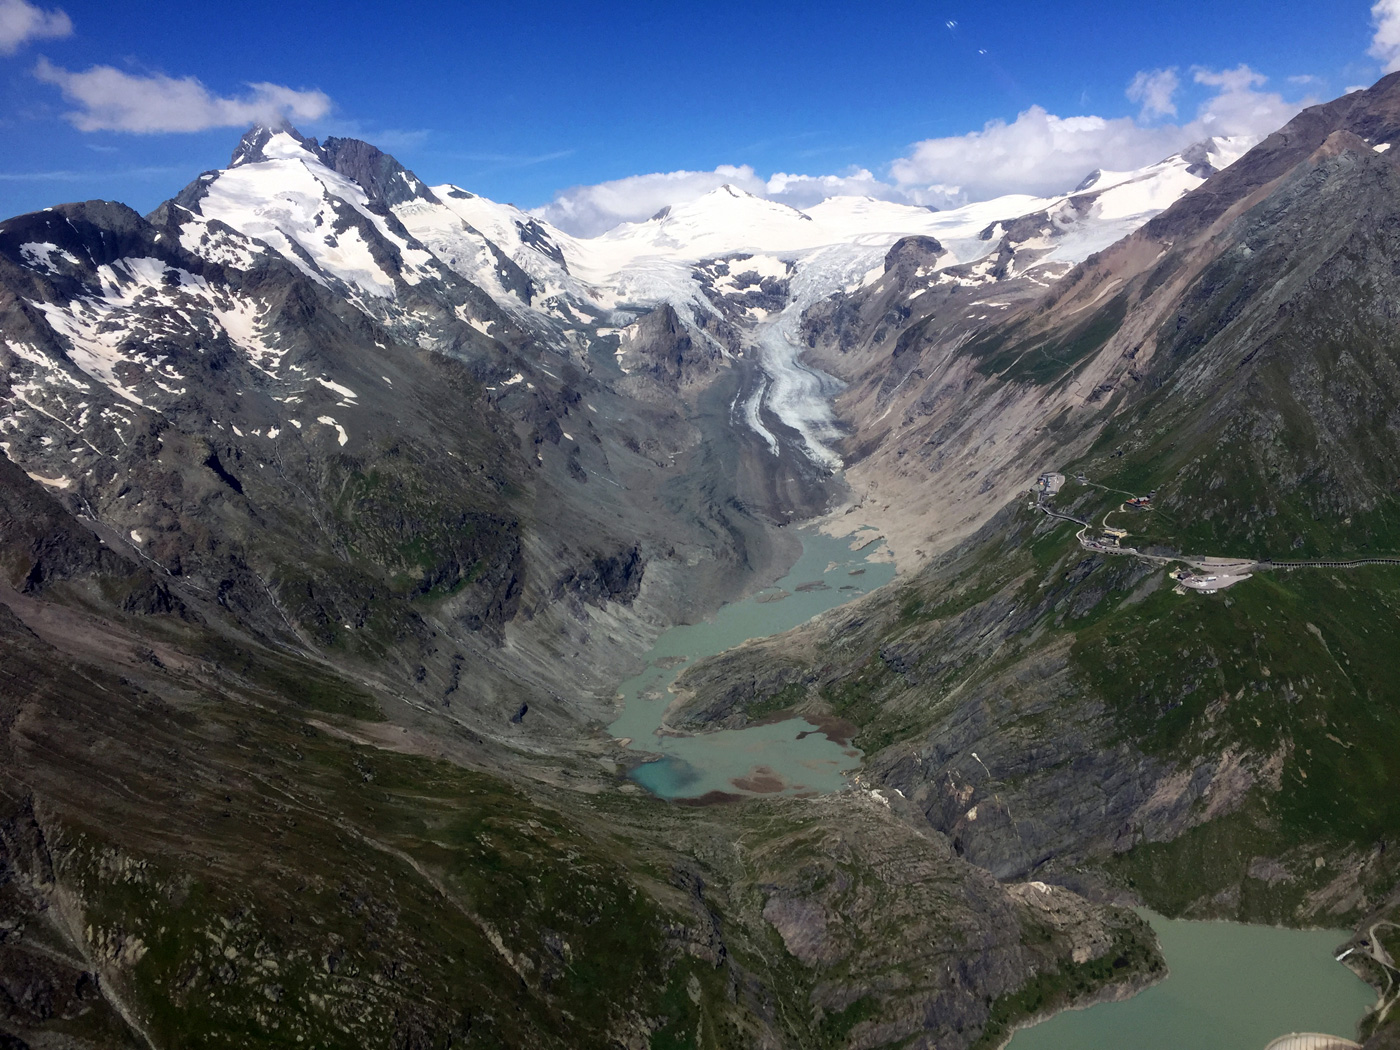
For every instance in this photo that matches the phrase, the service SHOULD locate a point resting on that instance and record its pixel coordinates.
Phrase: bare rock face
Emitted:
(802, 924)
(40, 544)
(909, 254)
(740, 293)
(615, 578)
(1199, 154)
(384, 179)
(42, 547)
(1066, 913)
(885, 916)
(661, 347)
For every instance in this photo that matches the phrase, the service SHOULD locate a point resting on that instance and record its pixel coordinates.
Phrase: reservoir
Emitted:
(792, 756)
(1231, 987)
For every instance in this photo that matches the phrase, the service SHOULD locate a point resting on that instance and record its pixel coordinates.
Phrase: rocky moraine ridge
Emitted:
(334, 506)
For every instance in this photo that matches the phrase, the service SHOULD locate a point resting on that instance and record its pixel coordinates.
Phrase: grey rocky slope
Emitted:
(260, 440)
(320, 561)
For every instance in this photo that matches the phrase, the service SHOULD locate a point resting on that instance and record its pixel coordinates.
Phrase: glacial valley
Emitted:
(335, 509)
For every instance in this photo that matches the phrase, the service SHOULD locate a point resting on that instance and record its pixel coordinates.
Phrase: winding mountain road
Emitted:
(1226, 571)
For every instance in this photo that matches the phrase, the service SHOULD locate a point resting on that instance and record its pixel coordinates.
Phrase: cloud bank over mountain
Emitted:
(1385, 44)
(1038, 153)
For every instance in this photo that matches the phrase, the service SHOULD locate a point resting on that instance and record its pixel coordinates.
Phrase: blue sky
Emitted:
(524, 101)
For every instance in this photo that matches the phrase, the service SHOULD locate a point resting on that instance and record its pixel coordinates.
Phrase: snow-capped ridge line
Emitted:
(353, 217)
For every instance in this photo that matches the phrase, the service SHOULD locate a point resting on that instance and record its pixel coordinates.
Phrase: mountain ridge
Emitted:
(335, 506)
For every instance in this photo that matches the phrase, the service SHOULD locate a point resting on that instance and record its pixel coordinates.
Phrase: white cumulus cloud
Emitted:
(1042, 153)
(589, 210)
(111, 100)
(1038, 153)
(21, 22)
(1385, 44)
(1240, 109)
(803, 191)
(1155, 89)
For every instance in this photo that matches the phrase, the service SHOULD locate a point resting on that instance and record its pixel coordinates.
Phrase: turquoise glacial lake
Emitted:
(1230, 987)
(792, 756)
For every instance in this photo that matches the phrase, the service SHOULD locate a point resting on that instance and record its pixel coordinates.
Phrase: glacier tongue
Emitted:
(798, 394)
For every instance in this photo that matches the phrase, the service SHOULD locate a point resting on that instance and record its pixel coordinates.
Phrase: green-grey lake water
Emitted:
(1231, 987)
(793, 752)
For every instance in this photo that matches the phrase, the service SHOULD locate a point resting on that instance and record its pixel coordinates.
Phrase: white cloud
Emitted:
(588, 210)
(1037, 153)
(803, 191)
(21, 22)
(1155, 89)
(111, 100)
(1385, 44)
(1241, 78)
(1238, 109)
(1042, 153)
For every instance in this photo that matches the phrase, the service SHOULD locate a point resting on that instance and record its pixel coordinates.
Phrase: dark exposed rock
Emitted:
(213, 463)
(533, 235)
(384, 180)
(616, 578)
(909, 254)
(666, 350)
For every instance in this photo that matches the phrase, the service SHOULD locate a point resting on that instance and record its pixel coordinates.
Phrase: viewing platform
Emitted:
(1312, 1041)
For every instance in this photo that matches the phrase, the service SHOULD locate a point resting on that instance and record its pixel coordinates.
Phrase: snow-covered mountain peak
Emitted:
(282, 191)
(1213, 154)
(262, 142)
(352, 217)
(1196, 162)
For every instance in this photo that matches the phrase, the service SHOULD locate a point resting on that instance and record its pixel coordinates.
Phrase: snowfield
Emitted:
(738, 270)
